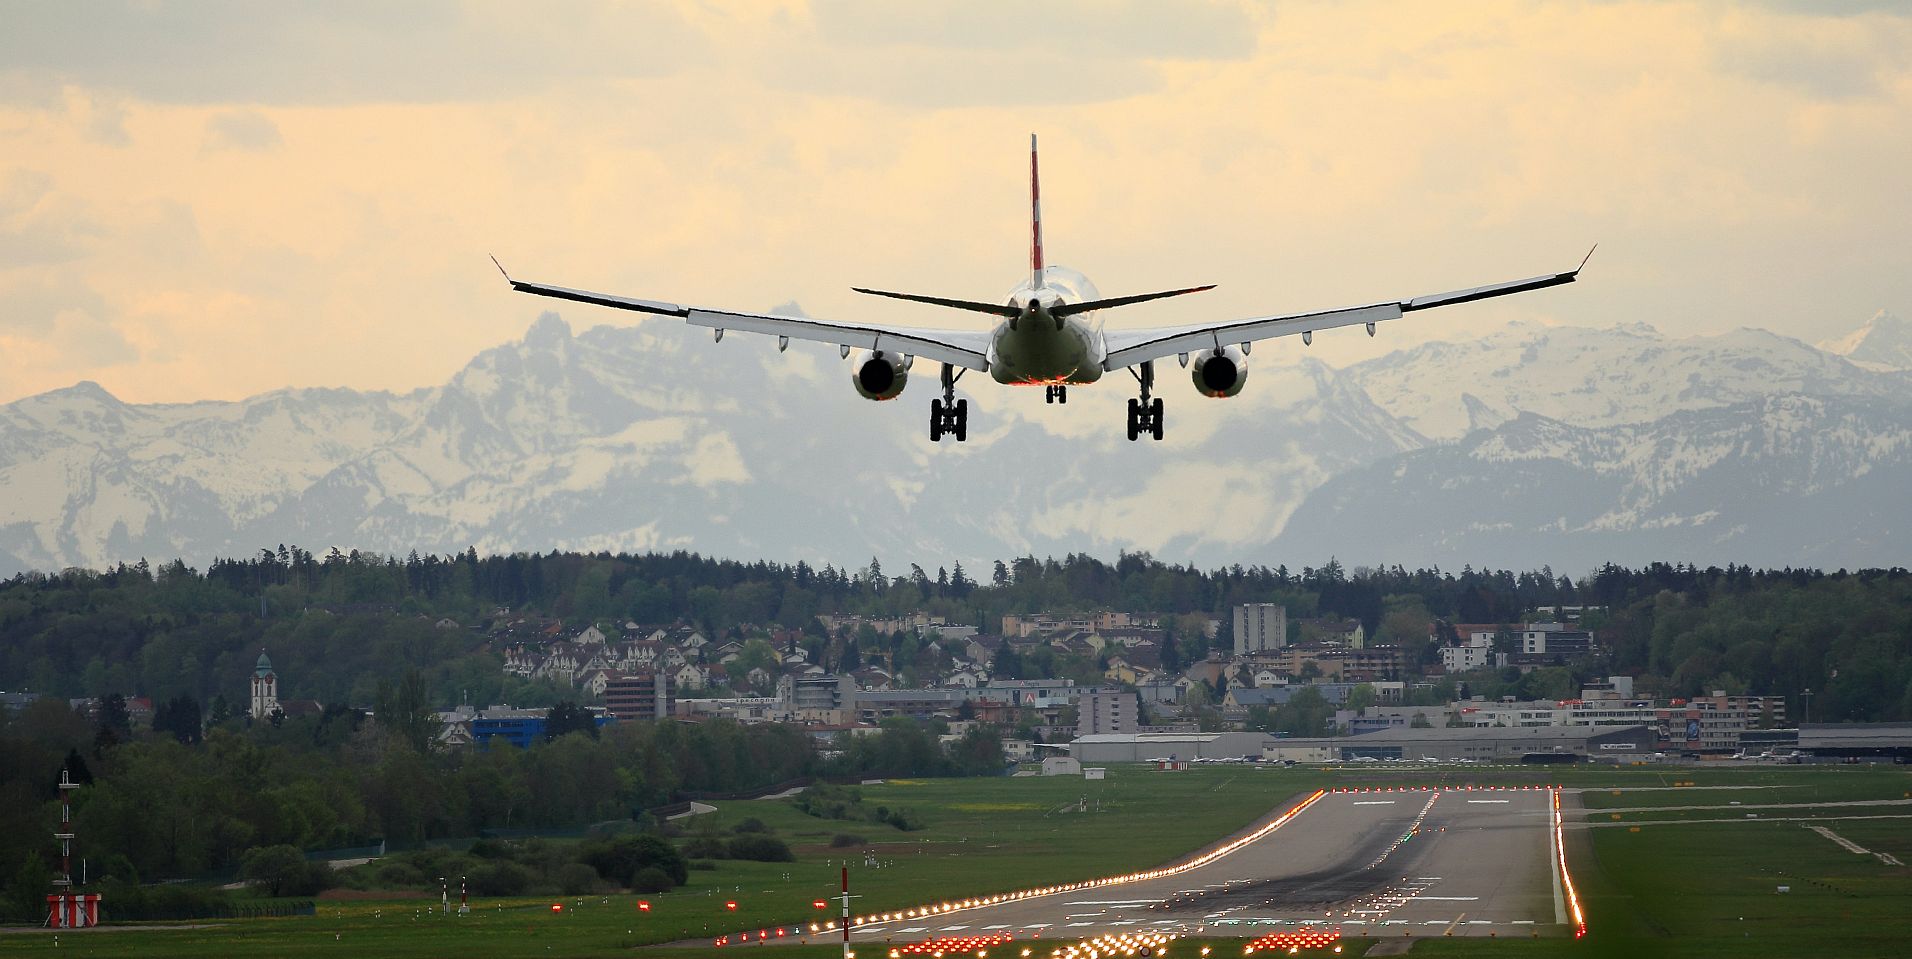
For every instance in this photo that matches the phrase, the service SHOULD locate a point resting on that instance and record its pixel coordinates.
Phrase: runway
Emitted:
(1370, 863)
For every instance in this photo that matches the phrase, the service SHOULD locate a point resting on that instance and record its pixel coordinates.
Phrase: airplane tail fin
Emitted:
(1035, 219)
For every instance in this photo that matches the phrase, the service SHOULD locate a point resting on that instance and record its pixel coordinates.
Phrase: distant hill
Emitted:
(1530, 445)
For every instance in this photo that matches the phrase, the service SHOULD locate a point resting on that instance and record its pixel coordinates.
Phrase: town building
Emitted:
(265, 688)
(1106, 711)
(1260, 627)
(640, 695)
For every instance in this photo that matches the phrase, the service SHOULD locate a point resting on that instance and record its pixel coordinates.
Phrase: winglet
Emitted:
(501, 270)
(1584, 259)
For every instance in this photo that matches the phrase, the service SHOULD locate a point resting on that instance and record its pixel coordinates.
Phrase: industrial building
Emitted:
(1862, 742)
(1485, 744)
(1148, 747)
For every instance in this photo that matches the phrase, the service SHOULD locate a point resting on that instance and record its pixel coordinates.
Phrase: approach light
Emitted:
(643, 905)
(819, 904)
(731, 905)
(557, 907)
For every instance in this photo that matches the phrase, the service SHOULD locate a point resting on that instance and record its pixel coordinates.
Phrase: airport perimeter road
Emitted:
(1372, 863)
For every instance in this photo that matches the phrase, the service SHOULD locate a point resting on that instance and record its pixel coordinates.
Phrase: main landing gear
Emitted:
(1145, 415)
(949, 414)
(1056, 393)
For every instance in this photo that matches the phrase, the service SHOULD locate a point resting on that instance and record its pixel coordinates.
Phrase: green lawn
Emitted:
(1670, 889)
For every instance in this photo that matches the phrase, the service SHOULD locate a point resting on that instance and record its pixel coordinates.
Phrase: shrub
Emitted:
(576, 879)
(707, 847)
(844, 840)
(751, 824)
(618, 859)
(651, 879)
(493, 849)
(500, 879)
(760, 848)
(702, 865)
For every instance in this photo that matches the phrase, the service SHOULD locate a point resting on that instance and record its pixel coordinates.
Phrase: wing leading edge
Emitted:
(1130, 347)
(964, 348)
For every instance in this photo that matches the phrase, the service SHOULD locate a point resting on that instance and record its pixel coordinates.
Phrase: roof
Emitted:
(1855, 735)
(1548, 734)
(1148, 738)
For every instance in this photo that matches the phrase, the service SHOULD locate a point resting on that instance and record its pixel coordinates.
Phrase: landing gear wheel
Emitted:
(1135, 419)
(1062, 393)
(948, 415)
(1155, 418)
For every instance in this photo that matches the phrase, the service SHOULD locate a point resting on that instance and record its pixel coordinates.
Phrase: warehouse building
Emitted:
(1149, 747)
(1485, 744)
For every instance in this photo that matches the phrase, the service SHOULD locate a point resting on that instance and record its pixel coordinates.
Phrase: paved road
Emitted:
(1370, 863)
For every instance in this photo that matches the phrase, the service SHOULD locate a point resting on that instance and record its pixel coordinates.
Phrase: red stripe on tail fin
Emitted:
(1035, 218)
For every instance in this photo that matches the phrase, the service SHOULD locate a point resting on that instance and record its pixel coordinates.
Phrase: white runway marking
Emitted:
(998, 926)
(953, 928)
(1485, 801)
(1079, 924)
(1375, 802)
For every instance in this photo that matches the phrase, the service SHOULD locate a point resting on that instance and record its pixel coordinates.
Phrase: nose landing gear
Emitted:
(1145, 415)
(1056, 393)
(949, 415)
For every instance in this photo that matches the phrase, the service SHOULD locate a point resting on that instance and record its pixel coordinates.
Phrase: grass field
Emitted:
(1668, 889)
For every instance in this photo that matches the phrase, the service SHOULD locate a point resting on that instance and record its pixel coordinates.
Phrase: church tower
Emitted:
(265, 688)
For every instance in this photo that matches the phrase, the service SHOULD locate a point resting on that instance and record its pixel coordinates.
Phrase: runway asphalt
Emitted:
(1369, 863)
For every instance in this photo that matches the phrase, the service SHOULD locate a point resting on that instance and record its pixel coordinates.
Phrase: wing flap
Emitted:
(963, 348)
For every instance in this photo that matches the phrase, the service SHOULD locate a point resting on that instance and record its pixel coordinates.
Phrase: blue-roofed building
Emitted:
(522, 728)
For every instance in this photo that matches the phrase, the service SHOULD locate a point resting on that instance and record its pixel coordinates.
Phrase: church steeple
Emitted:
(265, 688)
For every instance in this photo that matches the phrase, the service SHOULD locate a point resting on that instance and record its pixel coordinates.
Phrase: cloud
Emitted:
(247, 130)
(38, 226)
(331, 51)
(84, 340)
(1054, 32)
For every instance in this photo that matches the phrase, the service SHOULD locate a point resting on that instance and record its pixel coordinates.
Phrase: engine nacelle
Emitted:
(1219, 373)
(881, 375)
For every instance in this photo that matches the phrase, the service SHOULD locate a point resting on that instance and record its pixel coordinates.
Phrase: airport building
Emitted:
(1149, 747)
(1481, 744)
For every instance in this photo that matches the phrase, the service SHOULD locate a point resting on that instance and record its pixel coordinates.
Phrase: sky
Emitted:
(215, 199)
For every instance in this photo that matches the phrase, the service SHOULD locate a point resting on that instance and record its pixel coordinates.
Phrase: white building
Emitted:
(1106, 711)
(1260, 627)
(265, 688)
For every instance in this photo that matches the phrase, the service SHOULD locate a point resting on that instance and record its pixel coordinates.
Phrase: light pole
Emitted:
(444, 895)
(1807, 696)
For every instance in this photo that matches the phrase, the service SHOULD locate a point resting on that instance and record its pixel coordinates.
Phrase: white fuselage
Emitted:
(1033, 349)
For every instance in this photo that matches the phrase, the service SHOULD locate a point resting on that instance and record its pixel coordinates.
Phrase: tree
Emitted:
(569, 717)
(405, 711)
(274, 870)
(180, 717)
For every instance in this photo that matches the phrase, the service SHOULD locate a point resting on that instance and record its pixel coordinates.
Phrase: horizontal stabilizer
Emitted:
(998, 309)
(1071, 309)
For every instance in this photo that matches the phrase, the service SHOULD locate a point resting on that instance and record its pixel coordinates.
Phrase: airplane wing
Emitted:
(1131, 347)
(964, 348)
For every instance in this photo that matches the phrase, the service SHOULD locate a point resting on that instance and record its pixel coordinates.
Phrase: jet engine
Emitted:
(1219, 372)
(881, 375)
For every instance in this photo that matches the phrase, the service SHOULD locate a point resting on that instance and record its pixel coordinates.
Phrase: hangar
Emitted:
(1148, 747)
(1859, 742)
(1488, 743)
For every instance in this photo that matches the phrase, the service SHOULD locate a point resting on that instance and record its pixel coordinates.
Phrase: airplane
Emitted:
(1047, 333)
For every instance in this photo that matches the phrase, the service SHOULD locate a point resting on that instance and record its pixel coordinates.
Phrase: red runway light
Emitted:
(731, 905)
(643, 905)
(557, 907)
(819, 904)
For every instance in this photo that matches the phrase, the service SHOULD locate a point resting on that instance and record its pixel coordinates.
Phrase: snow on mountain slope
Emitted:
(651, 437)
(1598, 377)
(1881, 343)
(1778, 480)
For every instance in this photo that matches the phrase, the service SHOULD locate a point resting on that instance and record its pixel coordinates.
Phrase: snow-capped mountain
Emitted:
(1780, 480)
(1599, 377)
(650, 437)
(1883, 343)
